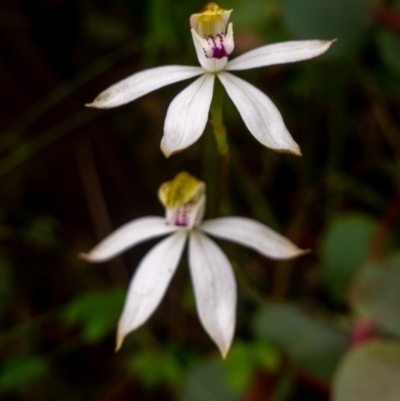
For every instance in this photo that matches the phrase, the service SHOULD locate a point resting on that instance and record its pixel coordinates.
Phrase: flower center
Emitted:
(184, 200)
(209, 26)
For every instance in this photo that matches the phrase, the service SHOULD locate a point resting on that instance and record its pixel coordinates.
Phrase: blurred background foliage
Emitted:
(323, 327)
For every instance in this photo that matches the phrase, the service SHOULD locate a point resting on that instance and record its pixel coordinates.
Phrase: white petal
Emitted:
(187, 115)
(215, 289)
(127, 236)
(279, 53)
(150, 283)
(260, 115)
(141, 83)
(254, 235)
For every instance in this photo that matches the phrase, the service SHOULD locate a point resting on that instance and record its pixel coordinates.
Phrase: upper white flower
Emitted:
(188, 113)
(211, 272)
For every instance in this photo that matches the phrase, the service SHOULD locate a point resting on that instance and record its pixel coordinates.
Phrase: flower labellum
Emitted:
(211, 272)
(184, 200)
(210, 38)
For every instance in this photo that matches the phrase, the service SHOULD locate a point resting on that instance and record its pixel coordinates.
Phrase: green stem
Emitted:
(219, 130)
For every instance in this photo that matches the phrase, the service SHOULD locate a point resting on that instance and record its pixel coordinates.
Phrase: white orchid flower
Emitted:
(187, 115)
(211, 272)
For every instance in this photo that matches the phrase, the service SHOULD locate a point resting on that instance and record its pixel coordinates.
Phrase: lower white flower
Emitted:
(187, 114)
(211, 272)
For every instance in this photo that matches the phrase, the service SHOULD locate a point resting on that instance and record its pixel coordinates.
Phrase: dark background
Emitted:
(70, 175)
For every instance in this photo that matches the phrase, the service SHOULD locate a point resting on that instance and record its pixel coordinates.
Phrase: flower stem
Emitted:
(222, 145)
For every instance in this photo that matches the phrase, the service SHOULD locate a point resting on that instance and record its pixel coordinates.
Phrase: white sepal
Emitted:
(254, 235)
(127, 236)
(141, 83)
(215, 289)
(150, 283)
(187, 115)
(262, 118)
(279, 53)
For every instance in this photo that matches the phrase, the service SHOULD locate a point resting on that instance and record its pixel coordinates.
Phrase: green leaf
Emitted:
(329, 19)
(156, 368)
(310, 343)
(96, 313)
(207, 381)
(375, 293)
(369, 372)
(21, 371)
(244, 359)
(345, 245)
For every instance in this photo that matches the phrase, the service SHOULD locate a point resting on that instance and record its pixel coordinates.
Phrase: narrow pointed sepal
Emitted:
(279, 53)
(118, 342)
(150, 283)
(254, 235)
(127, 236)
(215, 289)
(141, 83)
(187, 115)
(262, 118)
